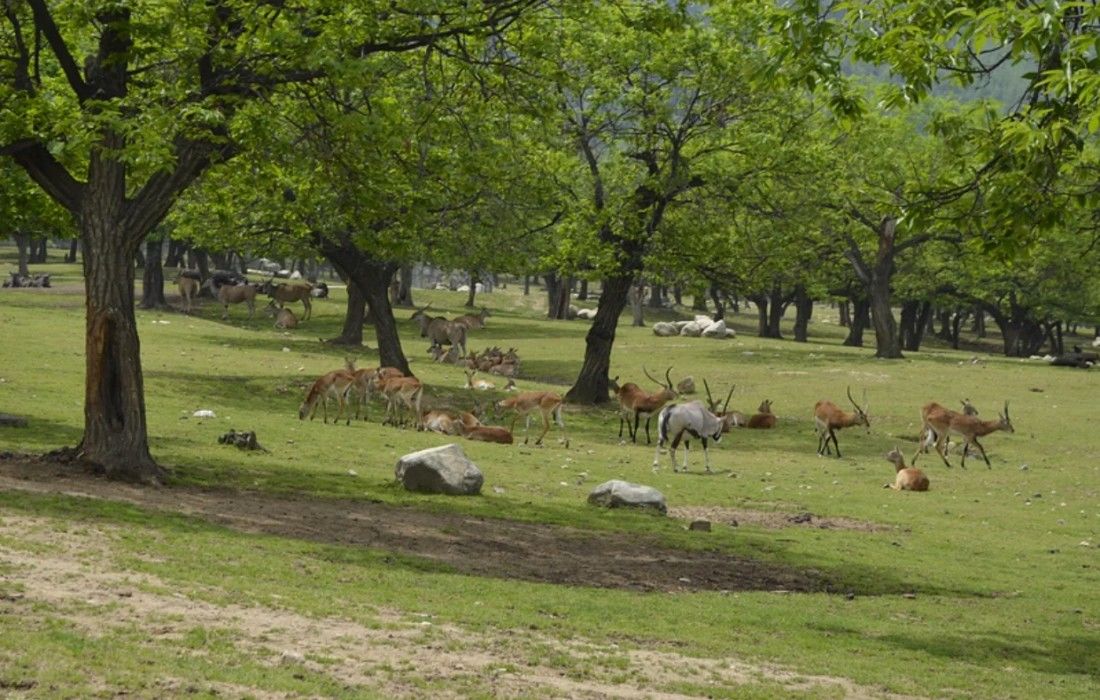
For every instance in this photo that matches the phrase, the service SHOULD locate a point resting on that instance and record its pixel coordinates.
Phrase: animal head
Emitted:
(613, 384)
(968, 408)
(861, 412)
(895, 457)
(713, 405)
(765, 406)
(666, 385)
(1004, 422)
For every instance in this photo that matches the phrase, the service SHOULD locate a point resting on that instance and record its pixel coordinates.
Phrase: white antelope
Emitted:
(681, 422)
(334, 385)
(828, 418)
(635, 402)
(970, 428)
(908, 478)
(547, 403)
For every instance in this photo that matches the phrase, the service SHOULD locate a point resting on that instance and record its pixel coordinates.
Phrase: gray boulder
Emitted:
(665, 330)
(692, 329)
(716, 329)
(617, 494)
(443, 469)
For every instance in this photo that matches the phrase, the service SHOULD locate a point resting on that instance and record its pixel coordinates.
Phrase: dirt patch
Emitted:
(469, 544)
(72, 578)
(772, 520)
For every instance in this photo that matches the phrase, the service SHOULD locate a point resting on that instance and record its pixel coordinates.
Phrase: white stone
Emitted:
(443, 469)
(717, 329)
(665, 330)
(617, 493)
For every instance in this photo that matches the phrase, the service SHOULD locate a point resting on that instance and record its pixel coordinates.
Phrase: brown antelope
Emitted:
(284, 318)
(485, 433)
(547, 403)
(474, 322)
(970, 428)
(284, 293)
(730, 419)
(933, 413)
(764, 418)
(401, 391)
(188, 284)
(828, 418)
(439, 330)
(480, 384)
(365, 384)
(235, 294)
(333, 385)
(440, 421)
(634, 402)
(908, 478)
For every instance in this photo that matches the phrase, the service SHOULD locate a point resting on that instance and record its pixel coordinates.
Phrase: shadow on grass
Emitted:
(42, 435)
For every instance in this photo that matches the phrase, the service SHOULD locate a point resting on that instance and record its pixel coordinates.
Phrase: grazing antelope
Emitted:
(365, 384)
(235, 294)
(934, 420)
(828, 418)
(474, 321)
(333, 385)
(547, 403)
(970, 428)
(283, 293)
(730, 419)
(908, 478)
(401, 391)
(764, 418)
(635, 402)
(188, 283)
(480, 384)
(485, 433)
(681, 422)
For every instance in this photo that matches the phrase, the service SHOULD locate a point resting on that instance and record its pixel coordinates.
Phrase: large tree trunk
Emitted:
(914, 321)
(582, 293)
(38, 251)
(858, 321)
(887, 344)
(775, 313)
(636, 297)
(557, 296)
(22, 244)
(719, 307)
(356, 313)
(73, 245)
(845, 314)
(404, 287)
(152, 278)
(761, 301)
(803, 310)
(475, 279)
(591, 385)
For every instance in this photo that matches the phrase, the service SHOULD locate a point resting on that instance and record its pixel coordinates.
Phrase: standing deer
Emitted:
(188, 283)
(764, 418)
(333, 385)
(908, 478)
(235, 294)
(681, 422)
(635, 402)
(970, 428)
(284, 293)
(547, 403)
(401, 391)
(933, 414)
(440, 331)
(828, 418)
(364, 383)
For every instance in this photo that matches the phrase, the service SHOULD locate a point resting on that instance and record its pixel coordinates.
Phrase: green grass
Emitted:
(1005, 591)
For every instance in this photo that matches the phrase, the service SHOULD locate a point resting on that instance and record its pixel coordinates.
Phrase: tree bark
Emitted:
(354, 316)
(591, 385)
(803, 310)
(845, 314)
(152, 278)
(859, 320)
(475, 279)
(404, 287)
(74, 244)
(776, 312)
(636, 297)
(582, 293)
(22, 244)
(719, 307)
(678, 295)
(38, 251)
(761, 301)
(887, 344)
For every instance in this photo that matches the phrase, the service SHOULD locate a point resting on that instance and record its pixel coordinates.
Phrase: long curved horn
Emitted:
(1006, 409)
(668, 373)
(710, 399)
(651, 377)
(854, 401)
(726, 407)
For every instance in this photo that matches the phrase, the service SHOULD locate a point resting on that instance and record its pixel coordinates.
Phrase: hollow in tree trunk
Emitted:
(152, 278)
(591, 385)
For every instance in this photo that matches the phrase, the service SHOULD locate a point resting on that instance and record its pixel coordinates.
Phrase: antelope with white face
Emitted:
(969, 428)
(477, 384)
(334, 385)
(545, 403)
(829, 418)
(635, 402)
(908, 478)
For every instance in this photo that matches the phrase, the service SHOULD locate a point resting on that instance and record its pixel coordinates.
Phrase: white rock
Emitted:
(617, 493)
(693, 329)
(662, 329)
(717, 329)
(443, 469)
(203, 413)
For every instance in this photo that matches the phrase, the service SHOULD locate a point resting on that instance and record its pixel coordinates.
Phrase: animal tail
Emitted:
(662, 423)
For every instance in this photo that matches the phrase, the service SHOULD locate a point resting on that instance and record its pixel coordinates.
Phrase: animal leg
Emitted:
(308, 308)
(982, 450)
(545, 426)
(832, 434)
(706, 455)
(634, 434)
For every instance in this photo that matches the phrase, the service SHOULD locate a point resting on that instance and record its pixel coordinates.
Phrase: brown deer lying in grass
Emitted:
(908, 478)
(284, 293)
(485, 433)
(764, 418)
(284, 318)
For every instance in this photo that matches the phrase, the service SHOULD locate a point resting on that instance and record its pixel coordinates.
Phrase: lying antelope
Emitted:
(283, 293)
(828, 418)
(635, 402)
(334, 385)
(547, 403)
(480, 384)
(485, 433)
(188, 283)
(908, 478)
(970, 428)
(284, 318)
(764, 418)
(681, 422)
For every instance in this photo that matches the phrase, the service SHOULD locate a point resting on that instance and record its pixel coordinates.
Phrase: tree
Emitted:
(142, 115)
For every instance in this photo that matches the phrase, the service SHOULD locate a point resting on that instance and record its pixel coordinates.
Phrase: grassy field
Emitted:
(984, 587)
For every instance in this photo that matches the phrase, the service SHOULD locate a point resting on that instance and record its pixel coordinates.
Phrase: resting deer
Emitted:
(828, 418)
(480, 384)
(485, 433)
(547, 403)
(908, 478)
(635, 402)
(730, 419)
(334, 385)
(283, 293)
(764, 419)
(284, 318)
(970, 428)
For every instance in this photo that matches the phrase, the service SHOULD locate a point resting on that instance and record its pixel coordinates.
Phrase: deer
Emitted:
(406, 391)
(474, 321)
(933, 414)
(970, 428)
(284, 318)
(828, 418)
(763, 419)
(547, 403)
(731, 419)
(439, 330)
(635, 402)
(283, 293)
(480, 384)
(334, 385)
(188, 283)
(235, 294)
(439, 421)
(485, 433)
(364, 384)
(908, 478)
(681, 422)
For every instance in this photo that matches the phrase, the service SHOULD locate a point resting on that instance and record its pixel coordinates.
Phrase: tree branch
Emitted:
(43, 20)
(45, 170)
